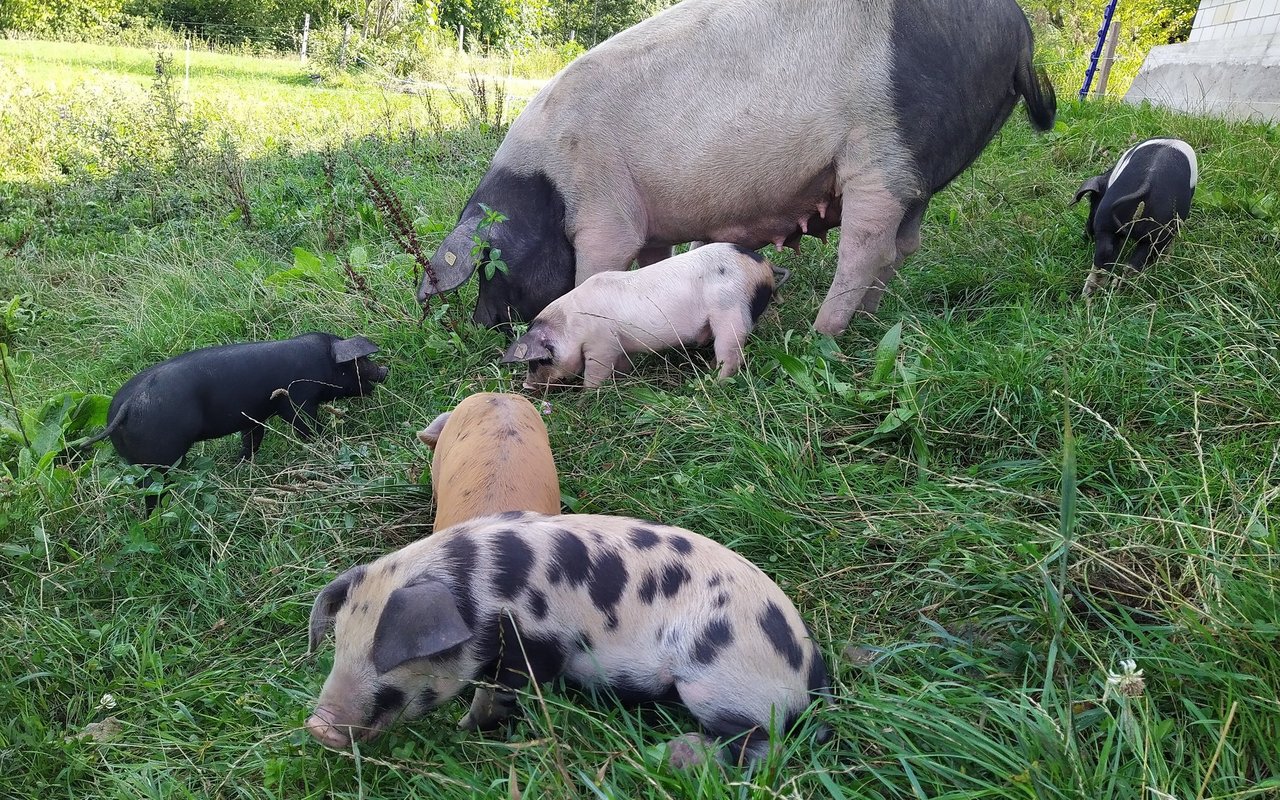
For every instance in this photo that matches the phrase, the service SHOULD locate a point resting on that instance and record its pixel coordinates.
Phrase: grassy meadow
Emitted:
(983, 500)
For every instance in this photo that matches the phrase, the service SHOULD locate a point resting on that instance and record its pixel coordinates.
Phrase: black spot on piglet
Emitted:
(715, 638)
(681, 545)
(818, 681)
(648, 588)
(387, 699)
(774, 624)
(427, 698)
(570, 560)
(760, 301)
(460, 556)
(643, 538)
(514, 563)
(538, 604)
(673, 577)
(608, 581)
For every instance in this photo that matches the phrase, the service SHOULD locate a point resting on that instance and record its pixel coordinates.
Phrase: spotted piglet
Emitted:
(716, 292)
(491, 455)
(638, 609)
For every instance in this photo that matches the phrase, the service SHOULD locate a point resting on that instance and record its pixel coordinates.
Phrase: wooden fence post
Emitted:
(462, 35)
(306, 29)
(342, 49)
(1108, 57)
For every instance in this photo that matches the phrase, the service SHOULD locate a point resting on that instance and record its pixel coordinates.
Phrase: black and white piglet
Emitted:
(157, 416)
(1143, 199)
(638, 609)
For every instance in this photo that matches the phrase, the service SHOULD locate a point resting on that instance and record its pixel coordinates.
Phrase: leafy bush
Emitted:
(16, 317)
(58, 17)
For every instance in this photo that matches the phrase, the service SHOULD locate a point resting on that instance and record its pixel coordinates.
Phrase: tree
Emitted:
(267, 21)
(58, 17)
(593, 21)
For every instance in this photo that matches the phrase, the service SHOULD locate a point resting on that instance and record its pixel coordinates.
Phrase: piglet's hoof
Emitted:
(688, 751)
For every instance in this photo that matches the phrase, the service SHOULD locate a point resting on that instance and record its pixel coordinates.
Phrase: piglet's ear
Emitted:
(530, 347)
(346, 350)
(419, 621)
(329, 602)
(430, 435)
(1096, 185)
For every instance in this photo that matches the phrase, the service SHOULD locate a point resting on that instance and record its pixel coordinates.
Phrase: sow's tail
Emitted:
(80, 444)
(1035, 87)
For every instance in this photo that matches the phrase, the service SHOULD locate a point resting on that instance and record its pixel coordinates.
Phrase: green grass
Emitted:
(980, 620)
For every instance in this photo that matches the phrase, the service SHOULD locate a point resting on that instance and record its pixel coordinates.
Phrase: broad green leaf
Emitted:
(89, 413)
(46, 436)
(887, 354)
(895, 420)
(284, 276)
(798, 370)
(359, 257)
(307, 261)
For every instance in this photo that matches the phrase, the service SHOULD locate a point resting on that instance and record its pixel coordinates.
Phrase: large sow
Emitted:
(750, 122)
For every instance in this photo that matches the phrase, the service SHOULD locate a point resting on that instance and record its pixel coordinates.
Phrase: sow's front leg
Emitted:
(606, 240)
(251, 440)
(868, 247)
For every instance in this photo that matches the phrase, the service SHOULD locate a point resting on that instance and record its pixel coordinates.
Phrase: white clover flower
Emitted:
(1128, 682)
(107, 702)
(546, 408)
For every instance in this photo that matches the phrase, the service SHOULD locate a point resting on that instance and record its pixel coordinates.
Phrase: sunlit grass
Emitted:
(970, 646)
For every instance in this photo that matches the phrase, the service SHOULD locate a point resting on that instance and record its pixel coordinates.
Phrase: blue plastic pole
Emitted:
(1097, 48)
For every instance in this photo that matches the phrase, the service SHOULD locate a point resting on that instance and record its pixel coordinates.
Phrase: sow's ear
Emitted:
(533, 346)
(345, 350)
(418, 621)
(430, 435)
(1095, 186)
(452, 263)
(328, 602)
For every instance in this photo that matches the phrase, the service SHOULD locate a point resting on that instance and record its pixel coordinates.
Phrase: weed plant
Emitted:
(985, 500)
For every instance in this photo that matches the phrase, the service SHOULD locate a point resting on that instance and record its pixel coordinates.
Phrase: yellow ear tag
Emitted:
(521, 351)
(449, 258)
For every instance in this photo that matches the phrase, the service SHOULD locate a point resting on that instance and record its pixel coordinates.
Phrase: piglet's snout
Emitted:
(321, 726)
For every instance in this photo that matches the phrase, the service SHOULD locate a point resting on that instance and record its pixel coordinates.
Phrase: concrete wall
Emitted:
(1225, 19)
(1229, 67)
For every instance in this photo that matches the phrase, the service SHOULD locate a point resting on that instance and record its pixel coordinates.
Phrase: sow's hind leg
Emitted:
(907, 242)
(869, 227)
